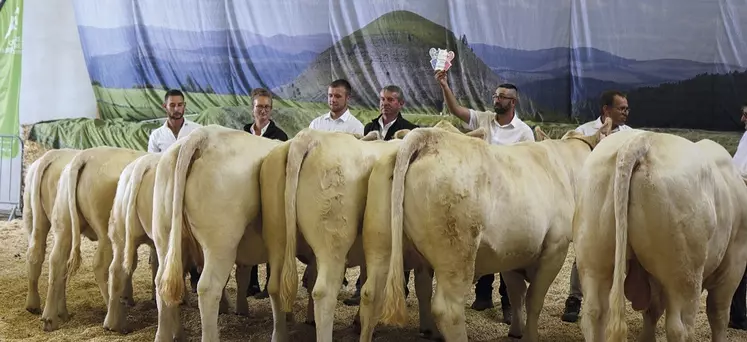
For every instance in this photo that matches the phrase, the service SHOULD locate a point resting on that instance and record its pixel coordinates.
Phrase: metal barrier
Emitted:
(11, 175)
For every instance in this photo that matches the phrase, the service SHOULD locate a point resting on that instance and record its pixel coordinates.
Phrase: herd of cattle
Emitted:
(653, 217)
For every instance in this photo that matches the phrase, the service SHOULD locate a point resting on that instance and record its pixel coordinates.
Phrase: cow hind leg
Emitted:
(517, 289)
(372, 292)
(330, 272)
(596, 285)
(682, 305)
(548, 267)
(116, 316)
(243, 273)
(652, 314)
(718, 305)
(34, 260)
(214, 276)
(55, 307)
(424, 292)
(153, 261)
(448, 302)
(101, 262)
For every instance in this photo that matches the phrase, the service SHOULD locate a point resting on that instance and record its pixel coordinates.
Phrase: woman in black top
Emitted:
(265, 127)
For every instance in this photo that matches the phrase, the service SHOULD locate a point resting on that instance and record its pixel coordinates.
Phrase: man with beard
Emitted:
(175, 127)
(389, 121)
(262, 126)
(504, 128)
(338, 119)
(738, 312)
(614, 106)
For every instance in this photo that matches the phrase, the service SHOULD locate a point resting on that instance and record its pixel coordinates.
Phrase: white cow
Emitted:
(129, 228)
(206, 196)
(332, 185)
(377, 244)
(470, 209)
(82, 206)
(671, 213)
(273, 183)
(38, 200)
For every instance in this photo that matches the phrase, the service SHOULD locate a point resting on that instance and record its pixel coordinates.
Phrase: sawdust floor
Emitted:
(88, 310)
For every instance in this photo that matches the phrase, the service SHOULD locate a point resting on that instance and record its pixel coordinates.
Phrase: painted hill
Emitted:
(393, 49)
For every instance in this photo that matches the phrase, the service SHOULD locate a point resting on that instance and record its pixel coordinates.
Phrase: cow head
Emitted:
(371, 136)
(540, 134)
(591, 140)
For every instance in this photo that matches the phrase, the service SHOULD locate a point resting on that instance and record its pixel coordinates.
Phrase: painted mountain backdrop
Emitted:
(227, 61)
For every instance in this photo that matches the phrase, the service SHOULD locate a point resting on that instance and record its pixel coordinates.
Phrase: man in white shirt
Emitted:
(338, 119)
(738, 312)
(175, 127)
(504, 128)
(614, 106)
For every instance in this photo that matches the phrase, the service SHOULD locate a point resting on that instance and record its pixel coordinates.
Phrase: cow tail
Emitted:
(171, 283)
(302, 144)
(130, 212)
(68, 185)
(629, 155)
(33, 208)
(394, 311)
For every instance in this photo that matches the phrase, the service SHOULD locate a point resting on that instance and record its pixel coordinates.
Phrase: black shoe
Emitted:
(572, 310)
(481, 304)
(739, 325)
(262, 295)
(252, 290)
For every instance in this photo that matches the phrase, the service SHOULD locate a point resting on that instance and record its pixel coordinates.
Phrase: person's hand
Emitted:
(442, 78)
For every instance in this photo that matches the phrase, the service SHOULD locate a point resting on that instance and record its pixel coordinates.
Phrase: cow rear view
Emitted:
(666, 212)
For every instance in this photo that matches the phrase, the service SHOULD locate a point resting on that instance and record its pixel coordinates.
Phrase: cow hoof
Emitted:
(311, 323)
(429, 335)
(128, 301)
(243, 313)
(516, 336)
(49, 324)
(34, 310)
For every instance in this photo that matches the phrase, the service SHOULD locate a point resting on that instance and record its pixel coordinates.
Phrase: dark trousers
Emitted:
(484, 289)
(738, 312)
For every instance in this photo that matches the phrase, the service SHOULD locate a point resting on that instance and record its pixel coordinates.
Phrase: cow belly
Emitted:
(637, 287)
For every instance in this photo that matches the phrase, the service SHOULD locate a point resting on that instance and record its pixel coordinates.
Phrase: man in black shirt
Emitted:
(265, 127)
(389, 121)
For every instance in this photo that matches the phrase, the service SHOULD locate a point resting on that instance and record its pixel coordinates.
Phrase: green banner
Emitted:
(11, 15)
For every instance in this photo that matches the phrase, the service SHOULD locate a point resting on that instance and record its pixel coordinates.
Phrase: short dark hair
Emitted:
(744, 104)
(509, 86)
(341, 83)
(395, 89)
(608, 98)
(258, 92)
(172, 92)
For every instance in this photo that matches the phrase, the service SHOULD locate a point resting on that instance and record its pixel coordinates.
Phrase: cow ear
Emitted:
(479, 133)
(371, 136)
(540, 134)
(401, 133)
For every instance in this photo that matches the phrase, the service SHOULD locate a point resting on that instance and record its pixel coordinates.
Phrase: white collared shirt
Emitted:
(591, 127)
(345, 123)
(514, 132)
(385, 128)
(740, 157)
(262, 131)
(162, 137)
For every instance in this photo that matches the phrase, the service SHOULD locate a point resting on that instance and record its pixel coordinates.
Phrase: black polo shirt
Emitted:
(399, 123)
